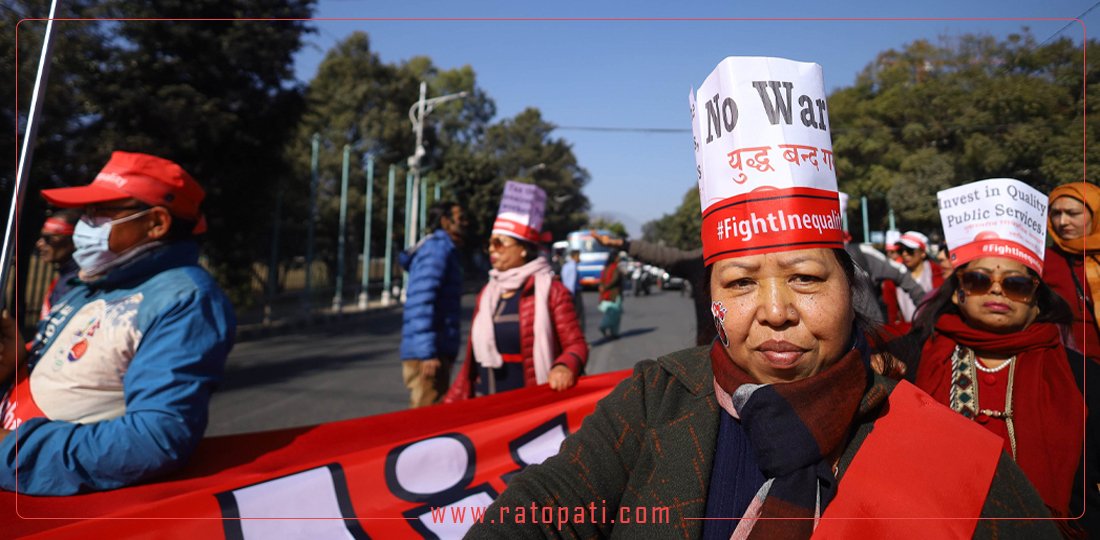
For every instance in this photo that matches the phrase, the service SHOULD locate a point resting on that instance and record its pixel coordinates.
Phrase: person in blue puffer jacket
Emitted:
(430, 331)
(115, 385)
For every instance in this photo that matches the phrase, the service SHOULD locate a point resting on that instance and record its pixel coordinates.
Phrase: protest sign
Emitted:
(999, 217)
(521, 211)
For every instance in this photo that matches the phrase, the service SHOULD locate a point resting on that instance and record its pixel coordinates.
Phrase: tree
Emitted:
(616, 228)
(524, 150)
(681, 228)
(217, 97)
(358, 100)
(936, 115)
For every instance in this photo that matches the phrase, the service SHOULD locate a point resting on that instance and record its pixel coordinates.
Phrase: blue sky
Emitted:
(637, 74)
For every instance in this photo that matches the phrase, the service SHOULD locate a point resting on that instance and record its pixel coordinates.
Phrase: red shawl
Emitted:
(1049, 409)
(610, 281)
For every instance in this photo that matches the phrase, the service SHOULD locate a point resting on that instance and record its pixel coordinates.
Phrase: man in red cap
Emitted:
(114, 387)
(55, 247)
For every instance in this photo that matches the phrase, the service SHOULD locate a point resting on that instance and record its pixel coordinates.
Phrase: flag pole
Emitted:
(26, 152)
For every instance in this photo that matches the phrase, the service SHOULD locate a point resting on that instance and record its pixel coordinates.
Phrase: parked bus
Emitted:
(593, 256)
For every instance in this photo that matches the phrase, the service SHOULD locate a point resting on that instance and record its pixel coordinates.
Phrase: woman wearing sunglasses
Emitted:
(525, 330)
(992, 342)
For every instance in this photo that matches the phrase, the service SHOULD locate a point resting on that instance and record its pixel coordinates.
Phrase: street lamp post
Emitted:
(417, 112)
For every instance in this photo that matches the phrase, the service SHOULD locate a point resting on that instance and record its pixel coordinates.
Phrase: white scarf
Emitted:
(482, 331)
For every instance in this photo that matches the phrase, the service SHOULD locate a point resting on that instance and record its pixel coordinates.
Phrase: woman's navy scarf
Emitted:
(796, 432)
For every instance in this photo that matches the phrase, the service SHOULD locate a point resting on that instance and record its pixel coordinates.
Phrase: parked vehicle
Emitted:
(593, 256)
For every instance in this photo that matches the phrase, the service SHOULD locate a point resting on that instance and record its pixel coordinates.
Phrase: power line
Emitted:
(624, 129)
(1063, 29)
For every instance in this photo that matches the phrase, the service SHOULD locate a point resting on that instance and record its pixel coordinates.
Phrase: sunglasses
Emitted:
(53, 239)
(1018, 288)
(497, 244)
(905, 250)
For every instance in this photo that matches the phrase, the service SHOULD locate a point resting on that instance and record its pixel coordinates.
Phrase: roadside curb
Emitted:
(323, 317)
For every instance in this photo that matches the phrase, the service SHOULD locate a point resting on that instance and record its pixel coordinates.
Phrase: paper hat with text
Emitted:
(767, 179)
(999, 217)
(521, 210)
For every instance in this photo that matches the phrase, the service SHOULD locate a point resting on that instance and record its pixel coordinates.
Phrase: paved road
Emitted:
(351, 369)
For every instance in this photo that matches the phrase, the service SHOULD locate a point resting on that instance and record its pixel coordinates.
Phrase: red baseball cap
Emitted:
(149, 179)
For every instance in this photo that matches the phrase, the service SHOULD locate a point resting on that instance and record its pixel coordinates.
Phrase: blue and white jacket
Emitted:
(433, 307)
(123, 369)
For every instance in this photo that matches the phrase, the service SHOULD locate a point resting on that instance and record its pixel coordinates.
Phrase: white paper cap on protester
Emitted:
(764, 159)
(521, 211)
(913, 240)
(892, 237)
(999, 217)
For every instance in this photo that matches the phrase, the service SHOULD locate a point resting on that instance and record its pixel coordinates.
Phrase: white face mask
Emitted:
(92, 238)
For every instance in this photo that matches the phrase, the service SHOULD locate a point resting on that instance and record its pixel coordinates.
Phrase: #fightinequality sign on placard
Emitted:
(1000, 217)
(767, 178)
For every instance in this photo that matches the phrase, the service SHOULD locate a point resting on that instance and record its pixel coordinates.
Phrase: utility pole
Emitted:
(387, 276)
(338, 297)
(417, 112)
(313, 180)
(363, 295)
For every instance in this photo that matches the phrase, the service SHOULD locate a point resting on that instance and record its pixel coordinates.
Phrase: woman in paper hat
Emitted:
(782, 417)
(1071, 266)
(990, 341)
(525, 330)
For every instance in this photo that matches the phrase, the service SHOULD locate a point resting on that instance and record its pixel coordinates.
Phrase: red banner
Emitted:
(374, 477)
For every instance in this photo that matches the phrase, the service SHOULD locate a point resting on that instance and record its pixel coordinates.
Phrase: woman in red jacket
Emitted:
(525, 330)
(1069, 268)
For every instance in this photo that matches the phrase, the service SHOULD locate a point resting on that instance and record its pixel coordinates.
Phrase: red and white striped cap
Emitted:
(914, 240)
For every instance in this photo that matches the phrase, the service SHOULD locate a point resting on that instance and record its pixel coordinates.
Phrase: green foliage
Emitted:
(525, 151)
(615, 227)
(216, 96)
(681, 228)
(359, 100)
(66, 149)
(932, 116)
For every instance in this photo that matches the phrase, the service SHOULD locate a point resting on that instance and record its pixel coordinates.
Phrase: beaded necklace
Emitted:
(964, 389)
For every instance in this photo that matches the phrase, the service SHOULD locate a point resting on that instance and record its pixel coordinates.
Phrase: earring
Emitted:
(962, 296)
